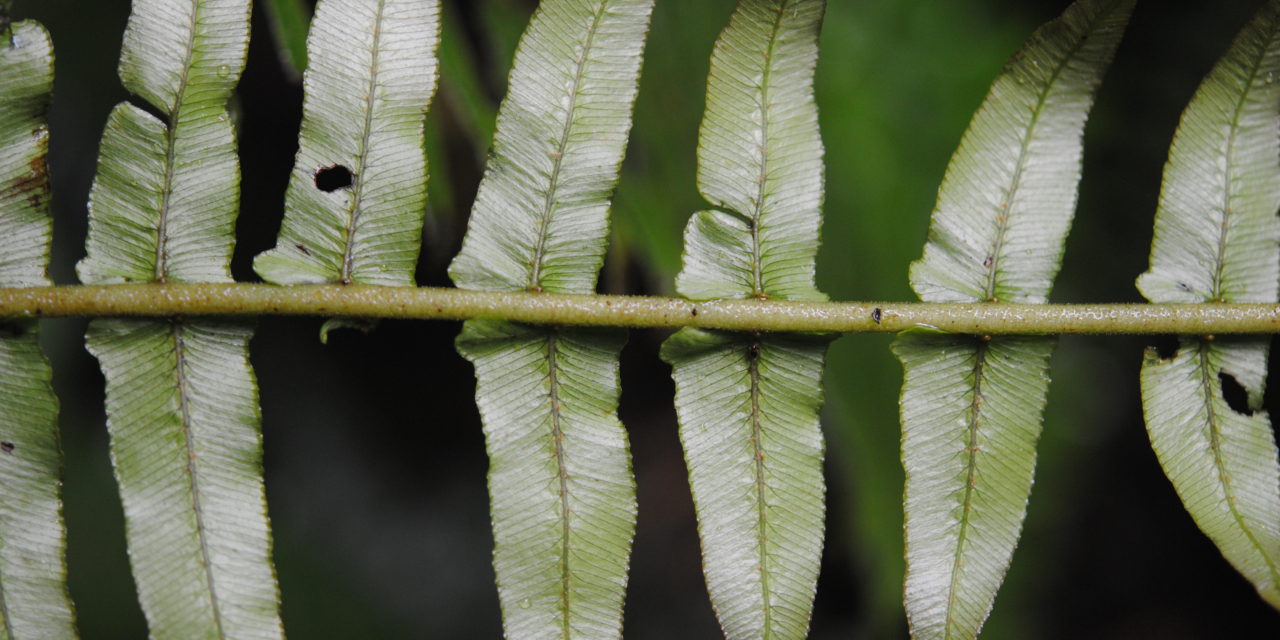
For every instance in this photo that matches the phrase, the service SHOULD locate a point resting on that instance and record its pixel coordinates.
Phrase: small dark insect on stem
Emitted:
(876, 314)
(753, 349)
(7, 447)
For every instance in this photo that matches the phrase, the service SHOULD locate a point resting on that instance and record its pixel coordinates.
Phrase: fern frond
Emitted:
(182, 406)
(356, 200)
(748, 403)
(1215, 241)
(33, 569)
(972, 407)
(560, 481)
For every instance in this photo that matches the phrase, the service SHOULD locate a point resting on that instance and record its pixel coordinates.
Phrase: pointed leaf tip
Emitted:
(1009, 194)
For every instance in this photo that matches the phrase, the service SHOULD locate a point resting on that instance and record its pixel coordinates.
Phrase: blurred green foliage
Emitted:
(375, 462)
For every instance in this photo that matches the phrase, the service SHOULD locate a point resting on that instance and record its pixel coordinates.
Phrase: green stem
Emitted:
(369, 301)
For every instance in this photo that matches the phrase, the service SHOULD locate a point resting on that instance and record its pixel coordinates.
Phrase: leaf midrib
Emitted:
(971, 469)
(757, 257)
(557, 439)
(179, 352)
(170, 154)
(761, 484)
(1229, 170)
(1006, 206)
(357, 193)
(1214, 432)
(562, 145)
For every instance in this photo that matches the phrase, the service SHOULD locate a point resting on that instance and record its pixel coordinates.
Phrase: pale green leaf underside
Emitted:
(971, 417)
(560, 484)
(33, 571)
(759, 159)
(748, 404)
(972, 408)
(1006, 203)
(1216, 229)
(182, 406)
(182, 412)
(33, 591)
(748, 408)
(540, 220)
(137, 184)
(1222, 463)
(370, 77)
(164, 202)
(1215, 241)
(26, 66)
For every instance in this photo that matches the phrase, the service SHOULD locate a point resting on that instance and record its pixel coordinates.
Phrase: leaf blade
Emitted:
(749, 425)
(1215, 241)
(748, 404)
(540, 222)
(186, 445)
(576, 503)
(164, 203)
(366, 225)
(998, 228)
(955, 563)
(996, 235)
(760, 160)
(181, 398)
(33, 574)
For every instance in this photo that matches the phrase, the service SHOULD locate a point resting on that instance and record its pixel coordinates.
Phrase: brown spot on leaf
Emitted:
(33, 184)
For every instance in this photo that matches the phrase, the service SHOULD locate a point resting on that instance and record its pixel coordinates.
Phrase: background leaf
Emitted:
(181, 400)
(354, 209)
(748, 404)
(563, 525)
(1215, 241)
(33, 569)
(289, 20)
(971, 407)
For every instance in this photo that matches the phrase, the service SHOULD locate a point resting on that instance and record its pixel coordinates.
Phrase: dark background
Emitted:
(374, 454)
